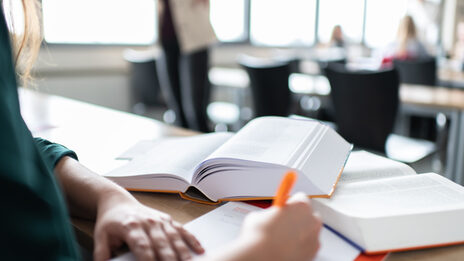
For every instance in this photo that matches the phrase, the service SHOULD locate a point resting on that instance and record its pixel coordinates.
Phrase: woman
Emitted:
(183, 75)
(336, 38)
(406, 46)
(37, 176)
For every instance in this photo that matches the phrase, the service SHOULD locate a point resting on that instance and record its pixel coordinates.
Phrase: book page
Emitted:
(138, 149)
(221, 226)
(401, 195)
(267, 147)
(267, 139)
(363, 165)
(175, 156)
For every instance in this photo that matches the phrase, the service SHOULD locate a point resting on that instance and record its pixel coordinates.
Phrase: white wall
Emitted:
(100, 74)
(89, 73)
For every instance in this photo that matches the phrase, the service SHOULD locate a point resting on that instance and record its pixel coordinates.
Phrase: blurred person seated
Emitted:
(406, 46)
(336, 38)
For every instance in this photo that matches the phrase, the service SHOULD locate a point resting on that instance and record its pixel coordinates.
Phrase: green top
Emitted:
(34, 221)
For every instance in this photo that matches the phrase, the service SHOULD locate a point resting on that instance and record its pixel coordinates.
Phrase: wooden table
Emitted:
(98, 135)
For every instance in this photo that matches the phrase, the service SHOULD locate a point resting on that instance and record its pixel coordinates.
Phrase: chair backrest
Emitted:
(269, 85)
(417, 71)
(365, 104)
(143, 80)
(323, 64)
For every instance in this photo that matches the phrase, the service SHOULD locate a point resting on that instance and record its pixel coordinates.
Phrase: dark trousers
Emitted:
(184, 85)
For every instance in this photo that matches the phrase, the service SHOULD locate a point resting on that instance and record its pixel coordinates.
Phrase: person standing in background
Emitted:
(183, 66)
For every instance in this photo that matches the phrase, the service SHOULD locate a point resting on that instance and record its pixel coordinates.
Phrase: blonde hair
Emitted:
(337, 34)
(26, 41)
(406, 32)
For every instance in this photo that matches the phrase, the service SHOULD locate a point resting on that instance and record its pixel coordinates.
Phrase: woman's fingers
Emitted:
(298, 197)
(139, 243)
(160, 242)
(190, 239)
(177, 241)
(150, 234)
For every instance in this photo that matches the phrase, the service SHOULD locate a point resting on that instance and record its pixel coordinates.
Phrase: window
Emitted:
(382, 20)
(14, 15)
(228, 19)
(282, 22)
(348, 14)
(99, 22)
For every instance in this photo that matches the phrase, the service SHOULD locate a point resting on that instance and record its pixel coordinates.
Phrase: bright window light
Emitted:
(14, 16)
(100, 21)
(348, 14)
(382, 20)
(282, 22)
(228, 19)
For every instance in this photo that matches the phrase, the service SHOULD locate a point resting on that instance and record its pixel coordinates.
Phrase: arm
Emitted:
(121, 218)
(288, 233)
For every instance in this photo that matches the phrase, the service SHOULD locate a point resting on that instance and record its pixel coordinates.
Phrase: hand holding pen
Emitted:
(286, 231)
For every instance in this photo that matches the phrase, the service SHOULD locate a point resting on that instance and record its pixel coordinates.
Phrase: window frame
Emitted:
(245, 41)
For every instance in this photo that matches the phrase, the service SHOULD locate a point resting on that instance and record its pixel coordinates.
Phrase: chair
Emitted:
(323, 64)
(424, 72)
(269, 85)
(366, 104)
(144, 83)
(418, 71)
(230, 112)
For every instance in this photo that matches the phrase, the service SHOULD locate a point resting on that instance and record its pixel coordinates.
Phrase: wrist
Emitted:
(113, 195)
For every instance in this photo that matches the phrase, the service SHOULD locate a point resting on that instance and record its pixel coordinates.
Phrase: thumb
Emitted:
(102, 250)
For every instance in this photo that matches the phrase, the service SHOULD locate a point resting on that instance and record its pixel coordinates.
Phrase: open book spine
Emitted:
(181, 194)
(186, 196)
(209, 202)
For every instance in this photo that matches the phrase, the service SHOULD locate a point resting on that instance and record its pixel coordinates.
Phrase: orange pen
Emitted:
(284, 189)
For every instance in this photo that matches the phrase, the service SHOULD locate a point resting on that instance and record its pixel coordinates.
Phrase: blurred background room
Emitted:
(272, 57)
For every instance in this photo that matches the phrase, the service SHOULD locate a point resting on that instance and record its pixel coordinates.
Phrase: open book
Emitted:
(245, 166)
(383, 205)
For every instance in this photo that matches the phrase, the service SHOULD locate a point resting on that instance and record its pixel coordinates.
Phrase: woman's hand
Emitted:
(150, 234)
(287, 233)
(120, 218)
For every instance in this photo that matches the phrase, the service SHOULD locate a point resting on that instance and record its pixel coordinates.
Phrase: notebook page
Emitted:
(222, 225)
(177, 156)
(363, 165)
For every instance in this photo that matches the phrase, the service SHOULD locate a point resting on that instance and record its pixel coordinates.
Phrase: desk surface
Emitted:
(448, 71)
(84, 127)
